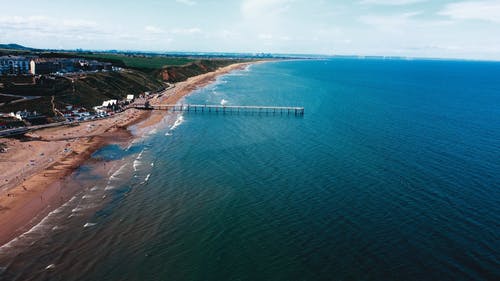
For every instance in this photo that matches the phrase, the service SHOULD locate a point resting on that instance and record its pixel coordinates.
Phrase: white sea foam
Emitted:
(56, 228)
(118, 172)
(137, 161)
(129, 146)
(135, 141)
(89, 224)
(140, 155)
(177, 123)
(50, 266)
(69, 202)
(57, 211)
(147, 178)
(152, 132)
(136, 164)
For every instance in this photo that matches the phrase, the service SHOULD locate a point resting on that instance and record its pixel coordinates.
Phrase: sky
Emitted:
(414, 28)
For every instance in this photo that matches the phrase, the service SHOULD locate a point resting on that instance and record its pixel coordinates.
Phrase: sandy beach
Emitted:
(33, 169)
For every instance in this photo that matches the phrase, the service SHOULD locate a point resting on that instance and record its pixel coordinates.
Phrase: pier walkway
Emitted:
(299, 111)
(202, 108)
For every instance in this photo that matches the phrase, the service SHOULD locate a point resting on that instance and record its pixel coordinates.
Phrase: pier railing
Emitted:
(224, 108)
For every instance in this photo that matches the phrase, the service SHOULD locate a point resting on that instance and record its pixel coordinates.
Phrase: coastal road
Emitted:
(20, 98)
(23, 130)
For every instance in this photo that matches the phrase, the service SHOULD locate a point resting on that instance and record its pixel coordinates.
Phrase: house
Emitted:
(100, 110)
(8, 121)
(109, 103)
(130, 98)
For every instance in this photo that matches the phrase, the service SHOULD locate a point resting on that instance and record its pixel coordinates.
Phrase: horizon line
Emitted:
(303, 55)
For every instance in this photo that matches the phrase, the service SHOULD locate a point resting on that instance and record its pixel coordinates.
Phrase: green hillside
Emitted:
(87, 92)
(135, 61)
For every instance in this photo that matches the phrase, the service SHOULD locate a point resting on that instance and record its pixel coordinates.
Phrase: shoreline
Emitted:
(34, 169)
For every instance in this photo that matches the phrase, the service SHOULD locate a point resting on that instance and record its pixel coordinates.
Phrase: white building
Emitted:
(109, 103)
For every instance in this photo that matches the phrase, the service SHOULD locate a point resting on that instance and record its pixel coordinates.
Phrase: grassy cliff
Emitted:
(88, 91)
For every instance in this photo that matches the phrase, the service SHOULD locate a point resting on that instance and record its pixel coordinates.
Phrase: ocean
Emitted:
(393, 173)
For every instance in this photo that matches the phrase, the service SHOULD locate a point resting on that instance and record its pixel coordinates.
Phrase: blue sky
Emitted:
(416, 28)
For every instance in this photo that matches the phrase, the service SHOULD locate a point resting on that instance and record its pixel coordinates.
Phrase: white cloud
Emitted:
(186, 31)
(473, 10)
(224, 34)
(36, 27)
(186, 2)
(403, 23)
(391, 2)
(54, 32)
(46, 24)
(265, 36)
(261, 8)
(393, 22)
(153, 29)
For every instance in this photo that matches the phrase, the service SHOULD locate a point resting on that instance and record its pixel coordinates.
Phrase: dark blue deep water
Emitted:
(393, 173)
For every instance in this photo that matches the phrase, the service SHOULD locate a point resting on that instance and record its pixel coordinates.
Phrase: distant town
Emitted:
(26, 65)
(21, 70)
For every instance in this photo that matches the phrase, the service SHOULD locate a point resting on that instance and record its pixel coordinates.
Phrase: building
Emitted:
(20, 65)
(109, 103)
(8, 121)
(40, 66)
(14, 65)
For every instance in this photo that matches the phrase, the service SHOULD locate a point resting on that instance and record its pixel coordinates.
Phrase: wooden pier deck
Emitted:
(299, 111)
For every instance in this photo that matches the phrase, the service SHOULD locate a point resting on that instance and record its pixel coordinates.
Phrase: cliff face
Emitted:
(174, 74)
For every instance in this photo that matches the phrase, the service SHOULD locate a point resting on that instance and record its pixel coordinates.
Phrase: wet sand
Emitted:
(34, 168)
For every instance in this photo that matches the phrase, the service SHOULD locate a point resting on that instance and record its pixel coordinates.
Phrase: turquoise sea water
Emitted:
(393, 173)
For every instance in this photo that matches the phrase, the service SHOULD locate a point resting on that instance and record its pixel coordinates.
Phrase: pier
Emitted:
(298, 111)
